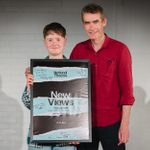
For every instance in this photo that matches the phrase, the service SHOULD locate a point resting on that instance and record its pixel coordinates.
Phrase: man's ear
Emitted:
(66, 40)
(104, 22)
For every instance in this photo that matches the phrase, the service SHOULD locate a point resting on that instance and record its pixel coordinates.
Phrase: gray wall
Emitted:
(21, 25)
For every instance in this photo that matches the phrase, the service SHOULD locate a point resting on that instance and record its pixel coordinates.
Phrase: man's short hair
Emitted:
(54, 27)
(93, 9)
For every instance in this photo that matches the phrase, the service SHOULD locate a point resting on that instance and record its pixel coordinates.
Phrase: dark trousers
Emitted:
(108, 136)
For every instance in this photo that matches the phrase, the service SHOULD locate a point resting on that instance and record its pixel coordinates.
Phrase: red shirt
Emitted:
(111, 71)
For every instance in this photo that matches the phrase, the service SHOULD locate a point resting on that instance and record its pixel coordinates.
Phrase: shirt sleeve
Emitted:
(26, 99)
(125, 78)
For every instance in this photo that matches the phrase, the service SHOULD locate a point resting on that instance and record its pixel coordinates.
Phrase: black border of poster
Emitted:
(61, 63)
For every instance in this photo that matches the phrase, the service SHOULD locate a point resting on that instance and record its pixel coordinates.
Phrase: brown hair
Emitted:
(54, 27)
(92, 8)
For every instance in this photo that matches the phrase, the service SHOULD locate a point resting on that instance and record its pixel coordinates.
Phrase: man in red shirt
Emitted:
(112, 87)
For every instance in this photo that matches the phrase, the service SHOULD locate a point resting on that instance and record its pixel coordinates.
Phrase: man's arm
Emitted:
(123, 133)
(127, 98)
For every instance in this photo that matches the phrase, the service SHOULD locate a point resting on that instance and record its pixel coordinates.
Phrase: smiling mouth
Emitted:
(92, 32)
(54, 47)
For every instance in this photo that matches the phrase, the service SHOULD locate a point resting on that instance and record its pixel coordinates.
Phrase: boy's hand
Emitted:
(27, 71)
(29, 78)
(74, 143)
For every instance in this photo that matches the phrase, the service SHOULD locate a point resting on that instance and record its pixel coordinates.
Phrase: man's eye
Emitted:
(96, 21)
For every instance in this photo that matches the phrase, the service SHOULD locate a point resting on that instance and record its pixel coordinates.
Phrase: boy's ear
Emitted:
(44, 41)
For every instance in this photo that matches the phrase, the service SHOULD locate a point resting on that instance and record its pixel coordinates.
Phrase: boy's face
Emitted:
(94, 25)
(55, 44)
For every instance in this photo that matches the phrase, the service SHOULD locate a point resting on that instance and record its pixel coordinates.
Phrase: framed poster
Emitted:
(60, 101)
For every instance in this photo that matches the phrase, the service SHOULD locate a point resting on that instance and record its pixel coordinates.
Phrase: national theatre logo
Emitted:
(60, 73)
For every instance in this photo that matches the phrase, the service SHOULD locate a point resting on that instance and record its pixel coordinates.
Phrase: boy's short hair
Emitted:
(54, 27)
(93, 9)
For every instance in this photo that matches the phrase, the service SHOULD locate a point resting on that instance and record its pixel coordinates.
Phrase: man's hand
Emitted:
(123, 134)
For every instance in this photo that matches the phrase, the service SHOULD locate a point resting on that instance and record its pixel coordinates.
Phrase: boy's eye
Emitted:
(49, 40)
(58, 39)
(86, 22)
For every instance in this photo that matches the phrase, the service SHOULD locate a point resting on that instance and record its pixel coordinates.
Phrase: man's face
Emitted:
(55, 43)
(94, 25)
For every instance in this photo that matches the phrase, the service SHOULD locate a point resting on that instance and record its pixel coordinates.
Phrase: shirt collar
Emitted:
(105, 44)
(64, 57)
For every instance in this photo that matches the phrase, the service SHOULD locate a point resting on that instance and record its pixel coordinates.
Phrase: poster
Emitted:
(61, 95)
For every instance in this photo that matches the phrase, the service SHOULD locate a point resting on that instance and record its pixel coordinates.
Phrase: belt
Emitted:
(53, 144)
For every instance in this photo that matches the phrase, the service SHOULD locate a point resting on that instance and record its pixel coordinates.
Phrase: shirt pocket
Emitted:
(107, 67)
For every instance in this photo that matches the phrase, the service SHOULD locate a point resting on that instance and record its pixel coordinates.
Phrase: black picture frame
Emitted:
(60, 101)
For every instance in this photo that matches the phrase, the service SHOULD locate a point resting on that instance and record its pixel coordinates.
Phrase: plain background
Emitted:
(21, 25)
